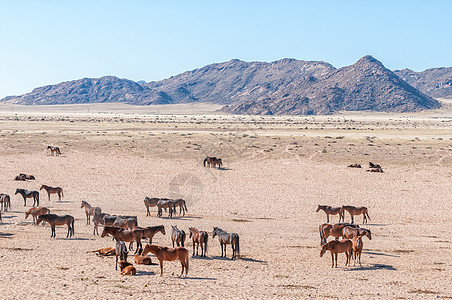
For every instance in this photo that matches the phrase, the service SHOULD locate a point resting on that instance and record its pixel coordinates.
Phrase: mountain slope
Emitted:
(436, 82)
(366, 85)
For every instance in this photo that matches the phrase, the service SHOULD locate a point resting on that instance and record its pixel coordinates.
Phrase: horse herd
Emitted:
(351, 234)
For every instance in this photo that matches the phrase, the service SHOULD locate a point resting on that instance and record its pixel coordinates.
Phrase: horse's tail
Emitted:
(186, 264)
(237, 247)
(62, 193)
(367, 214)
(206, 238)
(185, 205)
(205, 160)
(182, 238)
(72, 228)
(322, 237)
(58, 151)
(9, 201)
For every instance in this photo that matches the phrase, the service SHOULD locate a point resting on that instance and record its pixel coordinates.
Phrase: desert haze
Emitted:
(276, 171)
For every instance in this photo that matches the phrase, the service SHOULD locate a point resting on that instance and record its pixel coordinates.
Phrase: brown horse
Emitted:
(54, 220)
(98, 219)
(178, 236)
(53, 190)
(127, 268)
(199, 237)
(181, 203)
(374, 166)
(166, 204)
(375, 170)
(24, 177)
(350, 233)
(355, 211)
(228, 238)
(54, 150)
(329, 210)
(169, 254)
(125, 235)
(5, 201)
(28, 194)
(354, 166)
(142, 260)
(125, 222)
(89, 210)
(149, 232)
(109, 251)
(36, 212)
(357, 248)
(150, 202)
(336, 247)
(334, 230)
(212, 162)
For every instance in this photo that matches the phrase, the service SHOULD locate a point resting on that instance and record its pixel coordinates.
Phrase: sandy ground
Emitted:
(277, 170)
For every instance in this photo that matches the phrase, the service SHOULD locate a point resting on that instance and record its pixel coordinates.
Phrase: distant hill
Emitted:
(286, 86)
(436, 82)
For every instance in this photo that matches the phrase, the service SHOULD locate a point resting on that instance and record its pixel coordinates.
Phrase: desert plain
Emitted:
(276, 170)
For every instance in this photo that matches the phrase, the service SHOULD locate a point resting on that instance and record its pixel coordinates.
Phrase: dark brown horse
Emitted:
(166, 204)
(125, 222)
(355, 211)
(212, 162)
(150, 202)
(125, 235)
(334, 230)
(54, 220)
(228, 238)
(181, 203)
(329, 210)
(199, 237)
(89, 210)
(178, 236)
(336, 247)
(28, 194)
(149, 232)
(354, 166)
(36, 212)
(24, 177)
(98, 219)
(53, 190)
(169, 254)
(54, 150)
(5, 201)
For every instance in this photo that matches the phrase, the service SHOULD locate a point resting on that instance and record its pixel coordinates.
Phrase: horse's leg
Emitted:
(147, 211)
(332, 259)
(48, 194)
(25, 201)
(327, 218)
(53, 231)
(68, 230)
(161, 267)
(116, 264)
(353, 219)
(193, 248)
(335, 255)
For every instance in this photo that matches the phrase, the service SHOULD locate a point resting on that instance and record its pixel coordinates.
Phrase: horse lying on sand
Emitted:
(109, 251)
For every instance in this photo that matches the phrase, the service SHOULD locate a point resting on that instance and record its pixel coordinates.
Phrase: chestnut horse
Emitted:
(141, 259)
(336, 247)
(354, 166)
(125, 235)
(350, 233)
(125, 222)
(54, 220)
(127, 268)
(28, 194)
(199, 237)
(178, 236)
(109, 251)
(334, 230)
(228, 238)
(329, 210)
(54, 150)
(5, 200)
(89, 210)
(355, 211)
(169, 254)
(36, 212)
(53, 190)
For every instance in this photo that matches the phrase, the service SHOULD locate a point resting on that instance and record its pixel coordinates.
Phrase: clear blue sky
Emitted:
(46, 42)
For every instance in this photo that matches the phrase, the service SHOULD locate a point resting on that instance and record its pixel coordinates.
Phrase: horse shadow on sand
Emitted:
(241, 258)
(5, 235)
(373, 267)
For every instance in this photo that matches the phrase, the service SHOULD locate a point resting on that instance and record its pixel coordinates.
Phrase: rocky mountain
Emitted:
(286, 86)
(92, 90)
(436, 82)
(366, 85)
